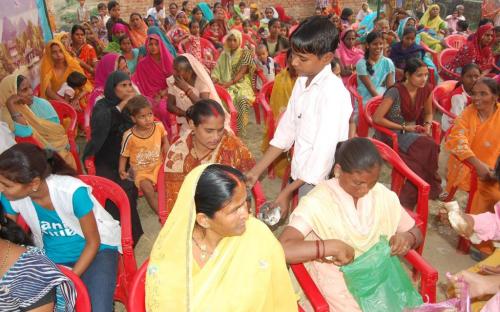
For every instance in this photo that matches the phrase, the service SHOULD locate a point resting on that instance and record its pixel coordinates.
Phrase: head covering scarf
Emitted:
(51, 135)
(402, 26)
(107, 65)
(483, 56)
(174, 282)
(151, 76)
(182, 26)
(367, 24)
(226, 58)
(155, 30)
(265, 20)
(348, 56)
(207, 12)
(138, 36)
(431, 23)
(110, 98)
(114, 46)
(47, 75)
(202, 74)
(281, 13)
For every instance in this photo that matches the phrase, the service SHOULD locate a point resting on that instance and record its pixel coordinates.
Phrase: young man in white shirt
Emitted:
(157, 11)
(317, 115)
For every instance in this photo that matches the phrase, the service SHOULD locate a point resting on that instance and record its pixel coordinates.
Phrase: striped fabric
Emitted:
(30, 279)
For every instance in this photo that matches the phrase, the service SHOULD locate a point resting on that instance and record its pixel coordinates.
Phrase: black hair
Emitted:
(93, 17)
(335, 61)
(195, 10)
(496, 172)
(203, 109)
(24, 162)
(462, 25)
(137, 14)
(357, 154)
(76, 80)
(157, 2)
(491, 84)
(192, 23)
(242, 3)
(468, 67)
(215, 188)
(19, 80)
(246, 23)
(346, 12)
(497, 28)
(409, 30)
(316, 35)
(183, 61)
(273, 21)
(136, 103)
(212, 22)
(184, 3)
(173, 4)
(112, 4)
(121, 38)
(101, 5)
(484, 21)
(77, 27)
(9, 230)
(412, 65)
(369, 39)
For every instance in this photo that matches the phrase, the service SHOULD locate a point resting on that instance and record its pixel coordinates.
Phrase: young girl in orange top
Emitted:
(144, 146)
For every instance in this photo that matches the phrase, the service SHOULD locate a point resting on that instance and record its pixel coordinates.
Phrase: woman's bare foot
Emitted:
(479, 285)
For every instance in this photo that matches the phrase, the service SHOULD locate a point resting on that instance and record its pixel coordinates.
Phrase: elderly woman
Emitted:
(234, 72)
(219, 250)
(342, 218)
(434, 28)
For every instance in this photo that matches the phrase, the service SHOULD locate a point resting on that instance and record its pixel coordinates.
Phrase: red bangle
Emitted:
(317, 249)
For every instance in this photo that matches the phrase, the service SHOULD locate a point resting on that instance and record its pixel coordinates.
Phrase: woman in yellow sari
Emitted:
(56, 66)
(28, 115)
(475, 138)
(207, 141)
(434, 28)
(212, 256)
(234, 72)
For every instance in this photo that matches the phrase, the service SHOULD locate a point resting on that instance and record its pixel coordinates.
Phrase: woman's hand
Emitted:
(411, 128)
(340, 252)
(401, 243)
(484, 173)
(182, 84)
(75, 103)
(124, 175)
(15, 100)
(283, 201)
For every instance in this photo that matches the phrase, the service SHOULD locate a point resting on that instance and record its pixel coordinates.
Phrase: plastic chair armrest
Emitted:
(259, 196)
(90, 166)
(389, 133)
(429, 275)
(443, 110)
(310, 289)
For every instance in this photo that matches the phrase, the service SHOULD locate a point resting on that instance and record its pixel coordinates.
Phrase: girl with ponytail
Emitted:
(64, 218)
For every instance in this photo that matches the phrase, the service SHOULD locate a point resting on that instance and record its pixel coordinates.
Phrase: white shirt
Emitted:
(315, 120)
(157, 15)
(458, 103)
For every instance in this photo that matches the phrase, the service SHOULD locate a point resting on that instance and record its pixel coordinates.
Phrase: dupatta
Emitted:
(206, 10)
(253, 261)
(51, 135)
(139, 36)
(412, 111)
(431, 23)
(226, 61)
(155, 30)
(348, 56)
(151, 76)
(107, 65)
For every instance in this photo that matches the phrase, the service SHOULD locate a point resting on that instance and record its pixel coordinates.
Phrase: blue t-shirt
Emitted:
(61, 244)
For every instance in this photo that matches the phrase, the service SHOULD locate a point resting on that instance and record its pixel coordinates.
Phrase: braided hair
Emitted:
(369, 39)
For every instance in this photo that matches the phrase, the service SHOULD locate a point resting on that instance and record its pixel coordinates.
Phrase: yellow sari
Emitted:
(435, 25)
(245, 273)
(49, 134)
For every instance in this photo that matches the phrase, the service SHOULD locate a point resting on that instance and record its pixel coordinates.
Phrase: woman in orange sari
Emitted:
(475, 138)
(138, 30)
(207, 142)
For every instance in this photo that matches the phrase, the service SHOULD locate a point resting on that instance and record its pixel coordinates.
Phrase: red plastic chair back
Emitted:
(103, 190)
(182, 47)
(36, 90)
(280, 59)
(82, 296)
(68, 118)
(228, 102)
(29, 139)
(357, 99)
(264, 97)
(137, 292)
(441, 96)
(455, 41)
(445, 58)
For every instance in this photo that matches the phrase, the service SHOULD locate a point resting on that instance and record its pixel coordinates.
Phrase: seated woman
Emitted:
(198, 48)
(155, 30)
(85, 53)
(207, 142)
(234, 72)
(197, 16)
(108, 123)
(475, 138)
(64, 217)
(56, 66)
(342, 218)
(477, 50)
(460, 97)
(188, 85)
(131, 54)
(435, 28)
(407, 110)
(181, 29)
(219, 249)
(348, 54)
(119, 30)
(406, 49)
(347, 18)
(44, 287)
(138, 30)
(28, 115)
(275, 43)
(375, 72)
(151, 76)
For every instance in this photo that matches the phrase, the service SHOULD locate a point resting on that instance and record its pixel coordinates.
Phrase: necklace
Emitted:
(4, 261)
(205, 254)
(196, 153)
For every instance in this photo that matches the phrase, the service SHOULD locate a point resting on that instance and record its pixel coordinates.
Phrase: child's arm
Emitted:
(122, 164)
(165, 145)
(92, 243)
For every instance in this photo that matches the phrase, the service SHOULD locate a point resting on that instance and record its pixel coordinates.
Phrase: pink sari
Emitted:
(151, 78)
(348, 57)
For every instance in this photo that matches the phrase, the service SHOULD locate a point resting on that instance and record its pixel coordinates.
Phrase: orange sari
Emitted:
(181, 159)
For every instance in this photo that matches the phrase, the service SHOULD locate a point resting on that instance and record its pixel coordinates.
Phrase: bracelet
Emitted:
(427, 123)
(323, 254)
(403, 130)
(317, 249)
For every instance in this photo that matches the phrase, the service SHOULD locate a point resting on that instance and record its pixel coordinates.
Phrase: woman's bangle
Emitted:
(317, 249)
(427, 123)
(403, 129)
(323, 253)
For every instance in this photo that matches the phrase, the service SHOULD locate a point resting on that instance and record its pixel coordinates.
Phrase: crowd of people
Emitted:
(169, 94)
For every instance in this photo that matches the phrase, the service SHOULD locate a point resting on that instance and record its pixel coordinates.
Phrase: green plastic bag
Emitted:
(378, 282)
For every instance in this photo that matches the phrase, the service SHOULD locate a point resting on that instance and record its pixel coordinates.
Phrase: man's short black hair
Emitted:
(316, 35)
(462, 25)
(112, 4)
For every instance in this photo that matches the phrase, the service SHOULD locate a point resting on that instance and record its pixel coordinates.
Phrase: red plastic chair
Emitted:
(371, 107)
(82, 296)
(29, 139)
(65, 112)
(228, 101)
(104, 189)
(257, 192)
(433, 53)
(446, 57)
(137, 292)
(357, 99)
(455, 41)
(183, 46)
(280, 59)
(260, 75)
(36, 90)
(441, 99)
